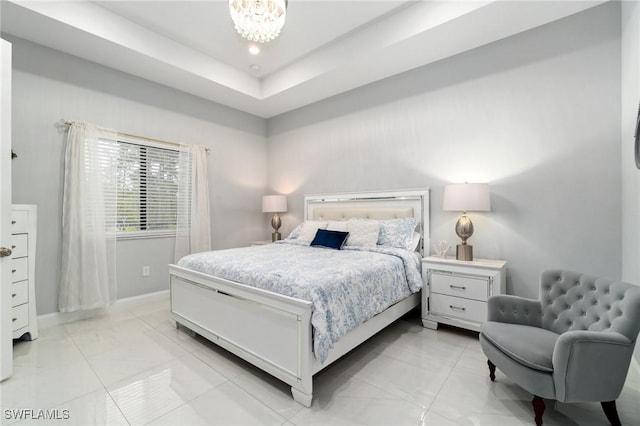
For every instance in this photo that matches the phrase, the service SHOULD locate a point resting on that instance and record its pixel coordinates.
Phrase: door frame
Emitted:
(6, 336)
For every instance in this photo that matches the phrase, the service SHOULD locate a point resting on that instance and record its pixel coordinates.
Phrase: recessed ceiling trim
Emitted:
(402, 39)
(92, 21)
(369, 42)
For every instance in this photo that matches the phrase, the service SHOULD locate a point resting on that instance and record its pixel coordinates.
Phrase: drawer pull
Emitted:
(12, 247)
(14, 319)
(458, 287)
(458, 308)
(13, 222)
(14, 295)
(13, 271)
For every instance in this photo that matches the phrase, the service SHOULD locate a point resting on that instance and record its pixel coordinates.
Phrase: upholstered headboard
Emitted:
(372, 205)
(344, 213)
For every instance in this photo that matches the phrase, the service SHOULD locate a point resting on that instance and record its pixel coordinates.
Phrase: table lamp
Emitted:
(466, 197)
(275, 204)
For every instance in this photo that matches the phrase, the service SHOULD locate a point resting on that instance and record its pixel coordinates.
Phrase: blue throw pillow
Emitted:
(330, 239)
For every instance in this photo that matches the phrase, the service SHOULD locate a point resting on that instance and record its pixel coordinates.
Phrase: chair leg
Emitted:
(538, 409)
(609, 408)
(492, 371)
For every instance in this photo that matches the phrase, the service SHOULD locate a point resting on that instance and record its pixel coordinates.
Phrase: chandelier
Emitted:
(258, 20)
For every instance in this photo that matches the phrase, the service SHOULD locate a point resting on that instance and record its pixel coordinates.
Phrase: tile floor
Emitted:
(132, 367)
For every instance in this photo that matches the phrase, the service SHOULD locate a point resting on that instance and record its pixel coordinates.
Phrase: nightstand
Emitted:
(456, 291)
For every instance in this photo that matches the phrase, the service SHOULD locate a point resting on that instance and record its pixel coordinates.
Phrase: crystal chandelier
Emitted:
(258, 20)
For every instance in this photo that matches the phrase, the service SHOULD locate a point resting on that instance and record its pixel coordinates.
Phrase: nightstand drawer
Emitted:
(19, 293)
(19, 270)
(467, 286)
(19, 247)
(470, 310)
(20, 317)
(19, 221)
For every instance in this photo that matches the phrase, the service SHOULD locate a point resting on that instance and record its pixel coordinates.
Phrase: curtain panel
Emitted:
(193, 224)
(88, 272)
(90, 212)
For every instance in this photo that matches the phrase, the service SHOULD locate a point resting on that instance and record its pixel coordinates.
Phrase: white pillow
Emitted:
(416, 241)
(397, 232)
(363, 232)
(296, 232)
(309, 230)
(337, 225)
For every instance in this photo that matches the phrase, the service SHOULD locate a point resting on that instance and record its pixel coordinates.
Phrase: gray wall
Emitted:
(49, 86)
(630, 89)
(536, 115)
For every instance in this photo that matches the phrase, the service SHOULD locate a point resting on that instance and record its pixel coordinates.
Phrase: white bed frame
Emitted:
(273, 331)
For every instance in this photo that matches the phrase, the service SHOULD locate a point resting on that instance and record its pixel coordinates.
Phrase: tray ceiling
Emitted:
(326, 47)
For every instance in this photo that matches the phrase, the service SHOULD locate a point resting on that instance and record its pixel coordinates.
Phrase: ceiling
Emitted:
(326, 47)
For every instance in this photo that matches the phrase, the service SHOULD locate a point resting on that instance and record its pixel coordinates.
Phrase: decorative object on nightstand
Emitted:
(441, 248)
(275, 204)
(466, 197)
(456, 291)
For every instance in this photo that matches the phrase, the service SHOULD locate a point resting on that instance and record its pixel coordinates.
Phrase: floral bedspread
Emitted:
(346, 287)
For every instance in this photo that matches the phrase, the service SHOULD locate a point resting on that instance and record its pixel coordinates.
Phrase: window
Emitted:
(146, 187)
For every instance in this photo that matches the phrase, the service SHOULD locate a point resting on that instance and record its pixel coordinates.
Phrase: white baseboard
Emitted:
(57, 318)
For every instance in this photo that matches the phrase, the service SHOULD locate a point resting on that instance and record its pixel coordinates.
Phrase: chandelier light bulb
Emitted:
(258, 20)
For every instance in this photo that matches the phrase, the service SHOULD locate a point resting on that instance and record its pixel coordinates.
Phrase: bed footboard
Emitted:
(269, 330)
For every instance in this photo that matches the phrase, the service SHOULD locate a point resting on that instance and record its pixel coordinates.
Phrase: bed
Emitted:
(275, 331)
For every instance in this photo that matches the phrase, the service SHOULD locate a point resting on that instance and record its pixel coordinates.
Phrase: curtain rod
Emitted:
(70, 122)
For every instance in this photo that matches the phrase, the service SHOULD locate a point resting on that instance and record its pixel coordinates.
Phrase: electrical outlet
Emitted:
(146, 271)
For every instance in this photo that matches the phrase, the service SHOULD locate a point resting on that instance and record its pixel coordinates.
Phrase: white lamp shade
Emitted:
(274, 204)
(467, 197)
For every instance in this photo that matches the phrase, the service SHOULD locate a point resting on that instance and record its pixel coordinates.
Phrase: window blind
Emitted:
(144, 185)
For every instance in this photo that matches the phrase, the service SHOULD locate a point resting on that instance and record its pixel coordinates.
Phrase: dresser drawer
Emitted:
(19, 269)
(19, 221)
(466, 309)
(19, 293)
(20, 316)
(467, 286)
(19, 245)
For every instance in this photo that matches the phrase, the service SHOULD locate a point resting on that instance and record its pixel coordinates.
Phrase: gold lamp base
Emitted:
(464, 252)
(276, 222)
(464, 229)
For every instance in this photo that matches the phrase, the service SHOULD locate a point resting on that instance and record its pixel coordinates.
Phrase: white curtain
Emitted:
(193, 233)
(88, 278)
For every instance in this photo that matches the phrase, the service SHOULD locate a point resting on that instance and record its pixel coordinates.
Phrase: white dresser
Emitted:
(457, 291)
(23, 261)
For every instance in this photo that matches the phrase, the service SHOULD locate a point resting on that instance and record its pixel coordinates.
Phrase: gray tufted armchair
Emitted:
(574, 344)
